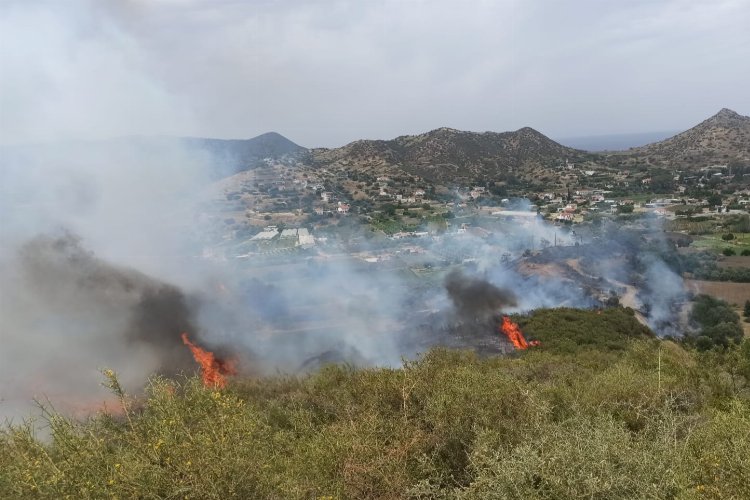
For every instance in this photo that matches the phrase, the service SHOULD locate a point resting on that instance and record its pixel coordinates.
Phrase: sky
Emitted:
(326, 72)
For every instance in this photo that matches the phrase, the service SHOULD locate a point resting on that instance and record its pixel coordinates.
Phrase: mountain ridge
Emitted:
(445, 150)
(448, 155)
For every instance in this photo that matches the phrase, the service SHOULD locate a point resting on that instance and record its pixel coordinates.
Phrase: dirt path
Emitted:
(630, 299)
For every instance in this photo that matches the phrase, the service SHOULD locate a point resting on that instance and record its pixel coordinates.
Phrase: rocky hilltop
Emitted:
(447, 154)
(720, 140)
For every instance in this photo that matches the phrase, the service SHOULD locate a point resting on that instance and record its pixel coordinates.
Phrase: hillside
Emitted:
(449, 155)
(599, 410)
(720, 140)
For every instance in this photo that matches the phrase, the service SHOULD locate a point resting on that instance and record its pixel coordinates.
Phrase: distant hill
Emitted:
(447, 154)
(225, 157)
(722, 139)
(236, 155)
(614, 142)
(443, 155)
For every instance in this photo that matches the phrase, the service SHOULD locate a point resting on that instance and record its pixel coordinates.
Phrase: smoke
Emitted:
(67, 279)
(477, 298)
(662, 294)
(66, 313)
(117, 287)
(98, 239)
(101, 243)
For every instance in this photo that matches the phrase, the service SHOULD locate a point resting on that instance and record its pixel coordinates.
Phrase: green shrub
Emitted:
(568, 329)
(600, 410)
(719, 323)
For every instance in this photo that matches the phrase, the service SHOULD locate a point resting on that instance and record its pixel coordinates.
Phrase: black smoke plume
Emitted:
(75, 285)
(476, 298)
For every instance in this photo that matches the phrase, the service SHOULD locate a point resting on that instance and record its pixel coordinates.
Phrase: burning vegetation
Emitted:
(513, 332)
(592, 418)
(214, 370)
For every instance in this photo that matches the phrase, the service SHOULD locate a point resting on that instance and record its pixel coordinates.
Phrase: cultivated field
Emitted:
(734, 293)
(734, 261)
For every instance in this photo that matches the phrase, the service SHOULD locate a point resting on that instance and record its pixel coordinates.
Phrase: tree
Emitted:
(722, 333)
(720, 323)
(625, 209)
(703, 343)
(747, 309)
(728, 251)
(714, 200)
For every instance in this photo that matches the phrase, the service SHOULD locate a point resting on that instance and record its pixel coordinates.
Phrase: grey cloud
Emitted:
(327, 72)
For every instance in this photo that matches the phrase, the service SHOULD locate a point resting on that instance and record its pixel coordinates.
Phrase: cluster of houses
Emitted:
(585, 200)
(341, 208)
(414, 197)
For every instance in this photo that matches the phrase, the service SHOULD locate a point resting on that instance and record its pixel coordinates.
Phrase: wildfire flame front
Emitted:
(213, 369)
(513, 332)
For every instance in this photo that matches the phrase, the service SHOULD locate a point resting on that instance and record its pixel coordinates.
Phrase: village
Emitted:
(282, 209)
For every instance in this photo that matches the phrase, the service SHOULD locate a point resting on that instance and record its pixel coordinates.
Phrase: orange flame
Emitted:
(213, 369)
(513, 332)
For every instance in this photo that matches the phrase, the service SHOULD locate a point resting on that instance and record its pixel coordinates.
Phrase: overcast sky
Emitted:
(325, 72)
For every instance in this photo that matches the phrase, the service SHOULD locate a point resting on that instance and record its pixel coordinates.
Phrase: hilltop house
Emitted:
(343, 208)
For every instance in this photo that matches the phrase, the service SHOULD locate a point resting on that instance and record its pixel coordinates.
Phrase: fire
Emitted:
(213, 369)
(513, 332)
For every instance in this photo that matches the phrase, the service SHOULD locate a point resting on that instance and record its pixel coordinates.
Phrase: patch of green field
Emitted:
(714, 242)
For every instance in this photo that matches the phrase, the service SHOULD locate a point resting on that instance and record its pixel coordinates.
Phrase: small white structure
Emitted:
(265, 235)
(305, 238)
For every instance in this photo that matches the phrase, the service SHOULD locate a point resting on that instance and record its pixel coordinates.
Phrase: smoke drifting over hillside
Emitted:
(100, 266)
(97, 266)
(97, 308)
(108, 298)
(100, 243)
(59, 273)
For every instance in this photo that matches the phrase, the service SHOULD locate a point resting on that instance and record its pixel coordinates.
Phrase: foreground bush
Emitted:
(630, 417)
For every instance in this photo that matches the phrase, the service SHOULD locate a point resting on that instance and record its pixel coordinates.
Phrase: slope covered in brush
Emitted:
(632, 417)
(449, 155)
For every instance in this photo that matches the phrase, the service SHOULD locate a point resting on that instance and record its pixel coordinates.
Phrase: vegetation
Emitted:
(715, 241)
(625, 209)
(719, 323)
(600, 410)
(704, 265)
